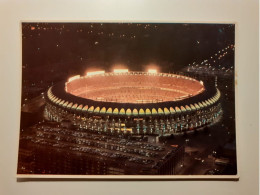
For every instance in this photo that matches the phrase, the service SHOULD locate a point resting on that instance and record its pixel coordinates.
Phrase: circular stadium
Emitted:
(134, 103)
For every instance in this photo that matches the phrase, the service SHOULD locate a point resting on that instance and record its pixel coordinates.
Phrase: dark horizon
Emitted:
(76, 47)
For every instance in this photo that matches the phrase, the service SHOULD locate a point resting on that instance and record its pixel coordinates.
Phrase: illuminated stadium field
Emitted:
(134, 102)
(135, 87)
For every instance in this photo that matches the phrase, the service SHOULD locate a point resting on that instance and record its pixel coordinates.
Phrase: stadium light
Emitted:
(120, 70)
(73, 78)
(95, 73)
(152, 71)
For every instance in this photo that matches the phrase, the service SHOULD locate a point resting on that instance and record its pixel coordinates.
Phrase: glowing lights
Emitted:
(120, 70)
(73, 78)
(122, 111)
(215, 61)
(135, 112)
(152, 71)
(149, 104)
(137, 88)
(95, 73)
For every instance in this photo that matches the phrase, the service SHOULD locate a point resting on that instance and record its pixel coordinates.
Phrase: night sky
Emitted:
(55, 51)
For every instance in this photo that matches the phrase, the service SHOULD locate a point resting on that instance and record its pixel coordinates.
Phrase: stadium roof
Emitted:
(57, 95)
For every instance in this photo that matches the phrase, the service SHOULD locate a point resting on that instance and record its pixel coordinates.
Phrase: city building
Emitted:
(56, 149)
(134, 103)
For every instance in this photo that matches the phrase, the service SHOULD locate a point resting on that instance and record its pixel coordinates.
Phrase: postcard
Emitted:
(129, 99)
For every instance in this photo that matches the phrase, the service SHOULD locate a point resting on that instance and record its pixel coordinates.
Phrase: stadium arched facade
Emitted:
(134, 103)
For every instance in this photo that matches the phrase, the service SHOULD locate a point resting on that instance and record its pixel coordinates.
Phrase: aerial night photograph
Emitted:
(127, 98)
